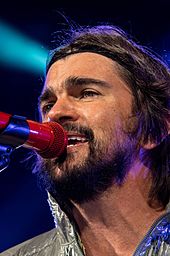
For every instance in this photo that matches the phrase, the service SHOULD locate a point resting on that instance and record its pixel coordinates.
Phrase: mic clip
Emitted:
(12, 137)
(16, 132)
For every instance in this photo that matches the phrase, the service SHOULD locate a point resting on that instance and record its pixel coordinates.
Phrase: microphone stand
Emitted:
(5, 153)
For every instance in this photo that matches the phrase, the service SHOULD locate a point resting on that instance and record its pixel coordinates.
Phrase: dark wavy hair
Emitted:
(149, 80)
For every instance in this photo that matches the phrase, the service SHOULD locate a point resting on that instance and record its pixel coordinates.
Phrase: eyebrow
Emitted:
(46, 95)
(74, 81)
(69, 83)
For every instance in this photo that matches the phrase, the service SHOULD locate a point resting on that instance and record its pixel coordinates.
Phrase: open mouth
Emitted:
(76, 139)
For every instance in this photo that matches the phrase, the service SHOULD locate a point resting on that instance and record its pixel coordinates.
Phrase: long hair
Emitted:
(149, 80)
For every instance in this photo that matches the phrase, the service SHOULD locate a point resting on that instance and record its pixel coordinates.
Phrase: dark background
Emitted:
(24, 210)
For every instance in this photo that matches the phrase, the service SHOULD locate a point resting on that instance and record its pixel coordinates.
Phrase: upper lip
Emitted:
(73, 134)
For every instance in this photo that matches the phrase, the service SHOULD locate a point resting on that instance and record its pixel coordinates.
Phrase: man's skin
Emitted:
(115, 223)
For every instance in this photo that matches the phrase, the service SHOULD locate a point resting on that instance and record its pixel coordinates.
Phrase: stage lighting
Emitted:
(18, 51)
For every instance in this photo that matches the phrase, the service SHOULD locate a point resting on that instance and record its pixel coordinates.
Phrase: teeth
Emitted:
(73, 140)
(77, 138)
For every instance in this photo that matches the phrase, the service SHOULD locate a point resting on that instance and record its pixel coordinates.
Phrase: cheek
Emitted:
(98, 115)
(102, 119)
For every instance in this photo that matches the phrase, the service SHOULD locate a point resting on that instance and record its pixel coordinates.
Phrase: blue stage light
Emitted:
(17, 50)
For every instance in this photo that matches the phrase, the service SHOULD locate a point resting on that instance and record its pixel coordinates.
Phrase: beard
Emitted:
(105, 164)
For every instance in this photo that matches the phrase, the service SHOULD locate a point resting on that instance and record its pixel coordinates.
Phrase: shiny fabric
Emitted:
(157, 241)
(63, 240)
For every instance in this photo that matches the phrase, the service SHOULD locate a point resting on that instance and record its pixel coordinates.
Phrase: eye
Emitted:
(47, 107)
(88, 94)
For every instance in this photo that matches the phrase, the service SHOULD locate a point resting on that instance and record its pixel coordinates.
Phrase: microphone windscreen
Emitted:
(58, 144)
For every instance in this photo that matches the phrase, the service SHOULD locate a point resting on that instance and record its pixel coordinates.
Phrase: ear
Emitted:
(151, 145)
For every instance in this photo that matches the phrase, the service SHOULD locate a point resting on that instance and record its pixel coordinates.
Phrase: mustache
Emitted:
(82, 130)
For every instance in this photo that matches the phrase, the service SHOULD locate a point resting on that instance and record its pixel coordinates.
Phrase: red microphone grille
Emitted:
(57, 144)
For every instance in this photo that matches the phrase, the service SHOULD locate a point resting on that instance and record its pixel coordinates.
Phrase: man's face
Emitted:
(85, 93)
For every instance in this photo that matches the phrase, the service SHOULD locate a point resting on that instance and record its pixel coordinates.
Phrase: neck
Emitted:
(115, 223)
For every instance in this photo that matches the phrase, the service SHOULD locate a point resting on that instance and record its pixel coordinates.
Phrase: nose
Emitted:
(63, 111)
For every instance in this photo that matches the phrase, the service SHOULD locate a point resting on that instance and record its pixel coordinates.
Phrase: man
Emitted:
(109, 191)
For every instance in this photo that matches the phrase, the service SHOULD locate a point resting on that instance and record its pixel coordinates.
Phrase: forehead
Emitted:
(90, 65)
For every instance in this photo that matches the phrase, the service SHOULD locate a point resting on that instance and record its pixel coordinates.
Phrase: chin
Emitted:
(58, 173)
(72, 163)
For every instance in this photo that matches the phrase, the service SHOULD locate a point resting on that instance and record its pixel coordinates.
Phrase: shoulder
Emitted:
(34, 245)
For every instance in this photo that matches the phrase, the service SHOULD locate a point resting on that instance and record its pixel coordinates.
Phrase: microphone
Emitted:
(49, 139)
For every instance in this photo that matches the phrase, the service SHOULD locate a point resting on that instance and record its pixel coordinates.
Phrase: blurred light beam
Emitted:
(16, 50)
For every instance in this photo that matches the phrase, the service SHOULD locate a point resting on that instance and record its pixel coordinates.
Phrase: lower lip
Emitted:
(76, 146)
